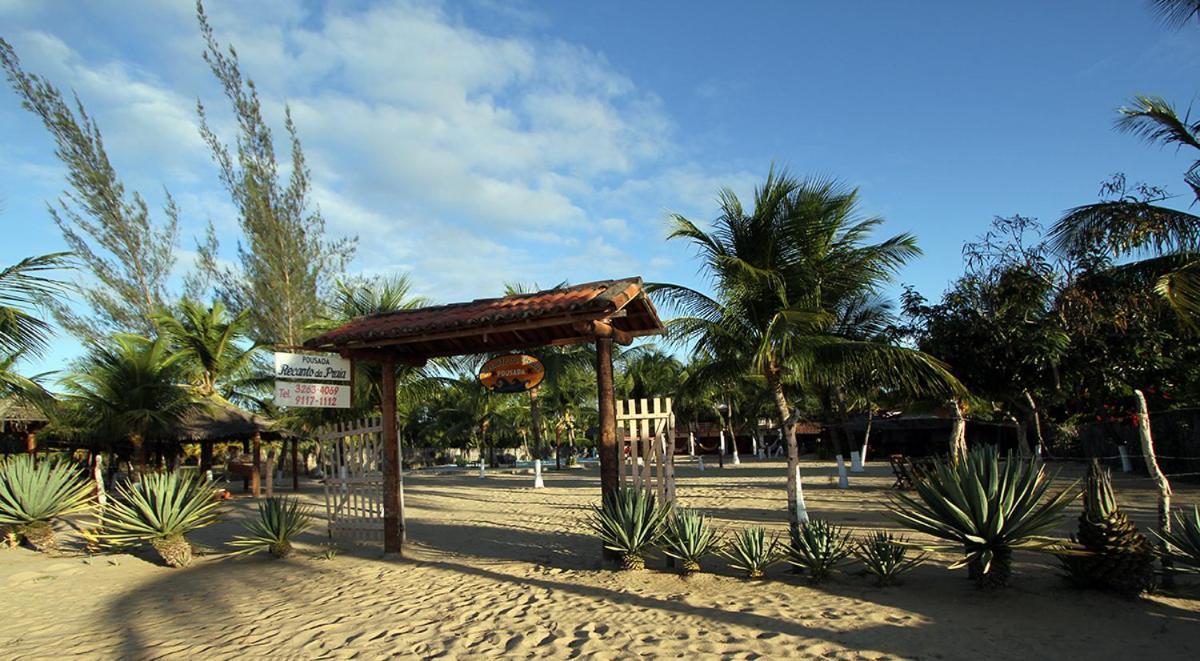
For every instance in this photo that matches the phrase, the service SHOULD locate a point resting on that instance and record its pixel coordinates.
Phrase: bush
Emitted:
(35, 495)
(161, 510)
(689, 537)
(985, 508)
(886, 557)
(629, 522)
(818, 547)
(280, 520)
(749, 552)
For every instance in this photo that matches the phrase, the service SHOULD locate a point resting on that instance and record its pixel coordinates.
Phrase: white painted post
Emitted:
(856, 465)
(843, 479)
(98, 477)
(537, 474)
(801, 508)
(721, 448)
(691, 443)
(1126, 462)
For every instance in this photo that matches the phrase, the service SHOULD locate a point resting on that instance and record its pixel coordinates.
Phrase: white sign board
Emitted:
(312, 395)
(312, 367)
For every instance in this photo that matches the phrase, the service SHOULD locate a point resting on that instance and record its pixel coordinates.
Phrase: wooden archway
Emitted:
(602, 312)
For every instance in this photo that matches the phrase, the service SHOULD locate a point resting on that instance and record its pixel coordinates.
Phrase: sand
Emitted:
(495, 568)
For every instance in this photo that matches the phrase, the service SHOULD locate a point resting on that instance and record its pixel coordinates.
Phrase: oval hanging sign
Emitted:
(512, 373)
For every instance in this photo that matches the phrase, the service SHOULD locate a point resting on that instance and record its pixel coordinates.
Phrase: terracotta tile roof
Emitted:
(539, 317)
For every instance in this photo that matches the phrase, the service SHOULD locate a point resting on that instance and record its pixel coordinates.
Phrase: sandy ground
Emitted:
(495, 568)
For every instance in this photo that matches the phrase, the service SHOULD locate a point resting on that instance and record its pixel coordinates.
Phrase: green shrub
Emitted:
(886, 557)
(689, 537)
(34, 495)
(280, 520)
(818, 547)
(161, 510)
(749, 552)
(986, 508)
(629, 522)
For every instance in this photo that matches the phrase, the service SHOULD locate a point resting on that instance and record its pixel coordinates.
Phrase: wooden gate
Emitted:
(352, 462)
(648, 429)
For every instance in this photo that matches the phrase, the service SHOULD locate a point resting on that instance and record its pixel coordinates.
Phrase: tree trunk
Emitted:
(867, 435)
(1156, 474)
(1036, 419)
(797, 513)
(535, 422)
(958, 431)
(139, 454)
(1022, 437)
(256, 470)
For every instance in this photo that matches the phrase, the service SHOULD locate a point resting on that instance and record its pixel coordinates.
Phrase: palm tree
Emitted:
(131, 387)
(23, 289)
(476, 412)
(780, 273)
(212, 345)
(1137, 223)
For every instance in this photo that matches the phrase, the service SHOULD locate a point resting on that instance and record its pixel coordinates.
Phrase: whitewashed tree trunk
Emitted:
(843, 478)
(958, 432)
(1156, 474)
(691, 442)
(867, 435)
(537, 474)
(856, 465)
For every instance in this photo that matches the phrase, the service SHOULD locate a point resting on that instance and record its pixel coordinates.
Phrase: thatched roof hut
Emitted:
(222, 421)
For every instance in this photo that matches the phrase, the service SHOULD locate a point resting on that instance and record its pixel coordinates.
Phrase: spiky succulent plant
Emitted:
(887, 557)
(985, 507)
(629, 522)
(160, 509)
(34, 495)
(750, 552)
(689, 537)
(818, 547)
(1183, 542)
(279, 522)
(1115, 554)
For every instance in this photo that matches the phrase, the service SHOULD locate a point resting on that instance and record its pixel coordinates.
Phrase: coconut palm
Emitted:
(133, 388)
(213, 344)
(1138, 223)
(23, 288)
(780, 273)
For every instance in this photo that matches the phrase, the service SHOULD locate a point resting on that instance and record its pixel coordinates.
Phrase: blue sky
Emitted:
(481, 142)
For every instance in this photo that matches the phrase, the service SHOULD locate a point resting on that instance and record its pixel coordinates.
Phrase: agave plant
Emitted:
(689, 537)
(1183, 542)
(34, 495)
(280, 520)
(1114, 555)
(629, 522)
(161, 510)
(986, 508)
(818, 547)
(886, 557)
(750, 552)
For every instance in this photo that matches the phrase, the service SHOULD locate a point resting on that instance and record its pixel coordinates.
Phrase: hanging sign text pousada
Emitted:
(311, 367)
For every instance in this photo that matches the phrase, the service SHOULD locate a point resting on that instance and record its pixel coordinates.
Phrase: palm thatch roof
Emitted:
(222, 421)
(16, 415)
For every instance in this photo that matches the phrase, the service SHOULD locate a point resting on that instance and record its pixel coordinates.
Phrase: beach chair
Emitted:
(902, 469)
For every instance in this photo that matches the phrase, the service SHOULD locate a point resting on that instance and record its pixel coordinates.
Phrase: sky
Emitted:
(475, 143)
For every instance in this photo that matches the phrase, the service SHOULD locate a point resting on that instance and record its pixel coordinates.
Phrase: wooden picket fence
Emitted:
(352, 462)
(648, 429)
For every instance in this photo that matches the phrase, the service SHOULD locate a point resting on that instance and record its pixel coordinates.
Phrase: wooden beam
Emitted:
(380, 355)
(604, 329)
(393, 526)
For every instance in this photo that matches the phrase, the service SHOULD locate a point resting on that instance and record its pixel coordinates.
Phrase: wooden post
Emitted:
(270, 468)
(610, 457)
(31, 442)
(1160, 480)
(295, 464)
(256, 472)
(393, 526)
